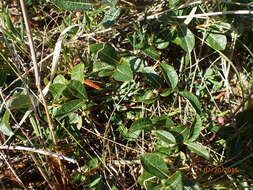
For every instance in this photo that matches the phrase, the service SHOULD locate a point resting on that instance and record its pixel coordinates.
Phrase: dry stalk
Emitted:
(39, 151)
(37, 80)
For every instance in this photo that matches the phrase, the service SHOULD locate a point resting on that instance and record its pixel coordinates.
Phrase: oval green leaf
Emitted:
(196, 128)
(75, 89)
(193, 100)
(68, 107)
(152, 78)
(165, 136)
(174, 182)
(20, 101)
(5, 127)
(151, 52)
(60, 79)
(185, 38)
(105, 53)
(181, 133)
(154, 164)
(111, 17)
(56, 90)
(78, 72)
(216, 40)
(198, 149)
(162, 122)
(123, 72)
(137, 126)
(147, 180)
(170, 74)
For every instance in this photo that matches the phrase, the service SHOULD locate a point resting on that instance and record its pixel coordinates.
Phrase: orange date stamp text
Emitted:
(220, 170)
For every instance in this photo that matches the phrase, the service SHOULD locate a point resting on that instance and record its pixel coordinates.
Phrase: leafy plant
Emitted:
(141, 94)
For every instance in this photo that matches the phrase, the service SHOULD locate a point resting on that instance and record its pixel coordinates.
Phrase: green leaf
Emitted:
(123, 72)
(161, 44)
(74, 5)
(103, 69)
(5, 127)
(152, 77)
(137, 126)
(60, 79)
(114, 188)
(154, 164)
(36, 128)
(56, 90)
(216, 40)
(151, 52)
(75, 89)
(8, 23)
(181, 133)
(174, 182)
(193, 99)
(196, 129)
(162, 122)
(20, 101)
(137, 64)
(70, 106)
(111, 17)
(169, 74)
(165, 136)
(106, 72)
(78, 72)
(198, 149)
(147, 180)
(167, 92)
(95, 181)
(185, 38)
(148, 97)
(75, 119)
(105, 53)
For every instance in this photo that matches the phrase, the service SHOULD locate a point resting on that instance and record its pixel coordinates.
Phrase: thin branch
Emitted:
(31, 43)
(238, 12)
(35, 65)
(39, 151)
(37, 78)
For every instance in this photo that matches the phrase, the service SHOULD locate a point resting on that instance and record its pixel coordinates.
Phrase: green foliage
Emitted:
(198, 149)
(70, 107)
(105, 53)
(165, 136)
(5, 127)
(136, 128)
(185, 38)
(19, 101)
(154, 164)
(123, 72)
(196, 128)
(169, 74)
(142, 86)
(216, 41)
(78, 73)
(193, 99)
(111, 17)
(74, 4)
(75, 89)
(174, 182)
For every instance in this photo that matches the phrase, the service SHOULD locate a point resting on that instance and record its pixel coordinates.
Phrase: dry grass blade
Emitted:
(56, 56)
(57, 50)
